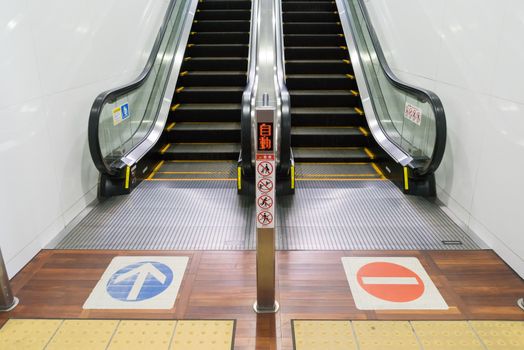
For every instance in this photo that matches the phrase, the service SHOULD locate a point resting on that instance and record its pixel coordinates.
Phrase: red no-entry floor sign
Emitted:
(391, 283)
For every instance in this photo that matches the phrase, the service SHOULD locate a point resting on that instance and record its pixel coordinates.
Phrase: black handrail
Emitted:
(421, 94)
(113, 94)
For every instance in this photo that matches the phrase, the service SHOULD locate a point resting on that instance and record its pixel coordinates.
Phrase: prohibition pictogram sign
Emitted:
(265, 201)
(265, 218)
(265, 168)
(265, 185)
(391, 282)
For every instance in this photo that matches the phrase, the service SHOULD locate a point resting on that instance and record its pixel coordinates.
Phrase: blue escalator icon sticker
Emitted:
(125, 111)
(140, 281)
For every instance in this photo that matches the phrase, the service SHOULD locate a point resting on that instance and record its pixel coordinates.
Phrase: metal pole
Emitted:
(265, 214)
(7, 300)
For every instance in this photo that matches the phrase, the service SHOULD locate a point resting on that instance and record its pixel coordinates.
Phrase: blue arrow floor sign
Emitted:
(139, 283)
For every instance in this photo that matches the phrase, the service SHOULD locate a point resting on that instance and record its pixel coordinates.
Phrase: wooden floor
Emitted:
(477, 285)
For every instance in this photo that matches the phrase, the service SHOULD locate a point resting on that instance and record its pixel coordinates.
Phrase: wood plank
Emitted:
(476, 285)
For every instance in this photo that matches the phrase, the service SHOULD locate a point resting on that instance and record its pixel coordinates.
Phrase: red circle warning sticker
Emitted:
(390, 282)
(265, 168)
(265, 218)
(265, 201)
(265, 185)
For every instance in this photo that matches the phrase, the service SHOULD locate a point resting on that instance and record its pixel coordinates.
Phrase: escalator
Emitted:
(204, 122)
(327, 119)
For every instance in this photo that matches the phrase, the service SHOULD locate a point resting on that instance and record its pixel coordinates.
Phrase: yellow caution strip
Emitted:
(174, 108)
(343, 179)
(57, 334)
(239, 178)
(184, 73)
(359, 111)
(323, 335)
(446, 335)
(200, 335)
(406, 179)
(408, 335)
(140, 335)
(128, 175)
(293, 177)
(83, 335)
(179, 90)
(352, 77)
(390, 335)
(354, 93)
(500, 335)
(27, 334)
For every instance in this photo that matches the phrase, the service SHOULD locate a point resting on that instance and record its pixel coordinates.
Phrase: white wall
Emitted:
(470, 52)
(56, 56)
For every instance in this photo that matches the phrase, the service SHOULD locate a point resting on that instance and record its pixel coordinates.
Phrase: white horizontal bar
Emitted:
(389, 280)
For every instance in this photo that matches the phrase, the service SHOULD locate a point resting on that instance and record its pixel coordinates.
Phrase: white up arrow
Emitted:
(142, 271)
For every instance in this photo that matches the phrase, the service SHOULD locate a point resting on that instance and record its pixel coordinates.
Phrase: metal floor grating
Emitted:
(322, 215)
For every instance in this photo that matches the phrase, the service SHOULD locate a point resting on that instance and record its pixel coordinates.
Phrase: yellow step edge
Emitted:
(377, 169)
(369, 153)
(354, 92)
(338, 179)
(165, 148)
(363, 131)
(343, 47)
(195, 179)
(201, 161)
(171, 126)
(158, 166)
(192, 172)
(173, 108)
(337, 175)
(332, 163)
(347, 62)
(352, 77)
(187, 59)
(184, 73)
(179, 90)
(359, 111)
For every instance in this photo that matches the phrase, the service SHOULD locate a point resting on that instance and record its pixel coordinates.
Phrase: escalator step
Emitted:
(318, 136)
(313, 28)
(328, 116)
(203, 78)
(211, 132)
(314, 40)
(302, 16)
(225, 5)
(318, 67)
(207, 113)
(217, 50)
(224, 15)
(309, 6)
(328, 155)
(221, 26)
(201, 151)
(208, 94)
(215, 64)
(323, 98)
(320, 81)
(316, 53)
(219, 38)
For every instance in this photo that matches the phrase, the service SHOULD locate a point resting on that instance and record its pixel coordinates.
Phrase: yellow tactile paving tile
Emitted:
(323, 335)
(83, 335)
(446, 335)
(500, 335)
(380, 335)
(203, 335)
(27, 334)
(141, 335)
